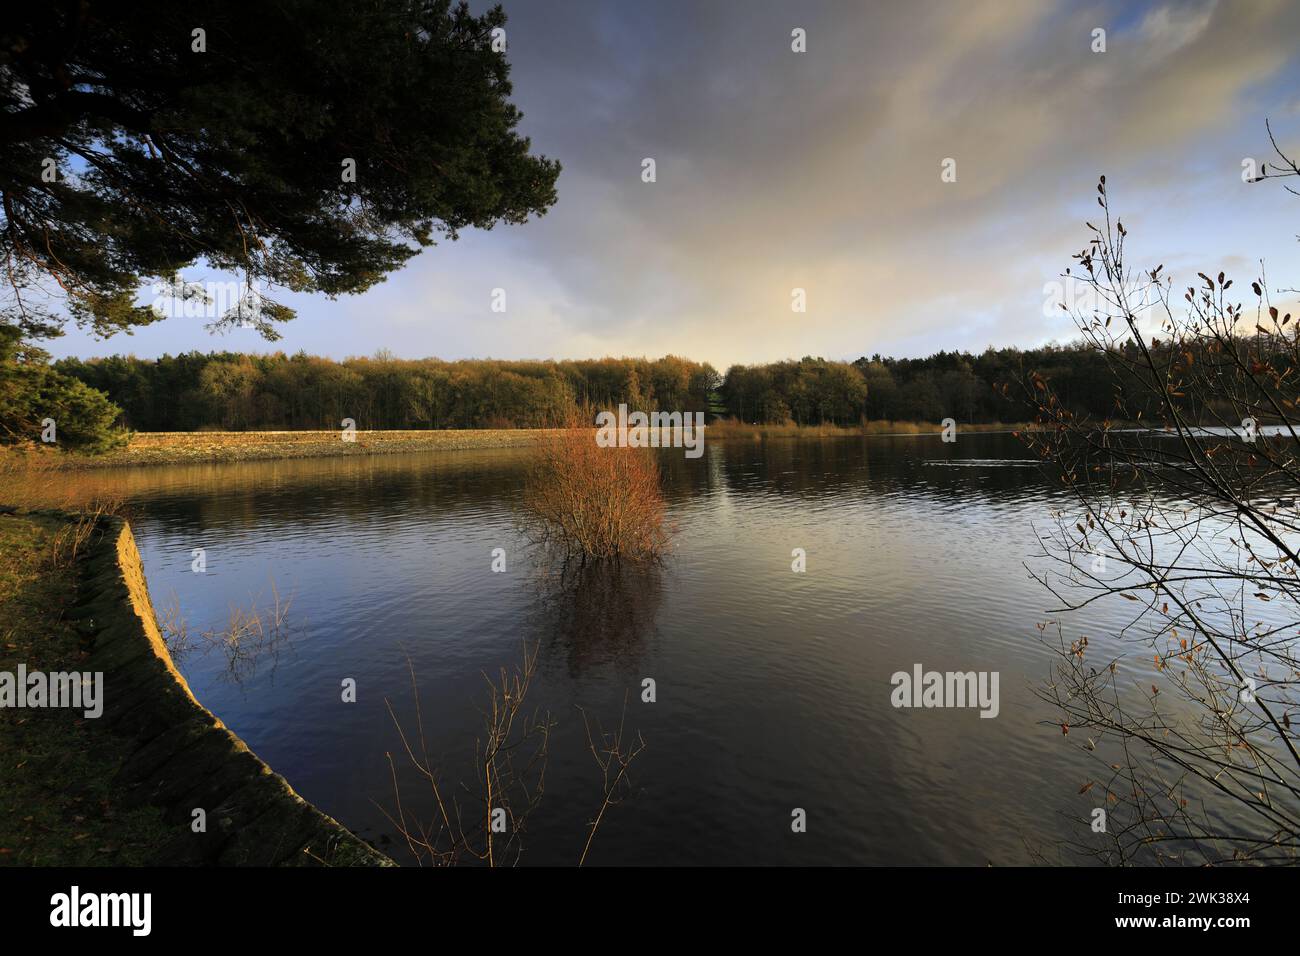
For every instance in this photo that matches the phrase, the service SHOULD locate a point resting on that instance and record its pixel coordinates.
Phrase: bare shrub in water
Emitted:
(252, 636)
(510, 777)
(510, 764)
(594, 503)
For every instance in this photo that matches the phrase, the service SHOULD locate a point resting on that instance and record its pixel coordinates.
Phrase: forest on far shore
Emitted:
(235, 391)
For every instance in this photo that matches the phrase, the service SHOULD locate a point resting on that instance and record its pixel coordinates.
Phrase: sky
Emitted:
(821, 170)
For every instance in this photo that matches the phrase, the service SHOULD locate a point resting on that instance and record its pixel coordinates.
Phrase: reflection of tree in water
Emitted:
(601, 613)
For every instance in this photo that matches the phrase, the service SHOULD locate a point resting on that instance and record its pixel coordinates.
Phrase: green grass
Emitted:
(57, 805)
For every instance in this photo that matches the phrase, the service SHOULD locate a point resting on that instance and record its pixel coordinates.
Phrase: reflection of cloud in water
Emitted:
(599, 614)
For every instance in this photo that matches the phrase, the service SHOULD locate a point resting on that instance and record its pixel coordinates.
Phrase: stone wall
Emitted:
(183, 758)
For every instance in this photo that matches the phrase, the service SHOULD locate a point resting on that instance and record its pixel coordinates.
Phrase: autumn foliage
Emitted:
(594, 503)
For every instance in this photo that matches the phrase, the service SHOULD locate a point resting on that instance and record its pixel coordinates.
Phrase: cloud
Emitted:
(821, 170)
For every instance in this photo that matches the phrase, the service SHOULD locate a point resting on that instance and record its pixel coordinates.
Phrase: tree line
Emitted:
(957, 385)
(236, 391)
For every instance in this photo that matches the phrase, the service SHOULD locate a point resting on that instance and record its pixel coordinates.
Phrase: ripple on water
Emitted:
(773, 687)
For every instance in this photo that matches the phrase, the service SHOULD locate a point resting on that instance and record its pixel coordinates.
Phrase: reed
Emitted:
(30, 480)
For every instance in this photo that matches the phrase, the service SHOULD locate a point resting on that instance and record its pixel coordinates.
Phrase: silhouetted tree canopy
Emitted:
(218, 132)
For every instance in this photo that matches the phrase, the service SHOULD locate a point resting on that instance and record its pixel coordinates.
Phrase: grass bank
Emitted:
(57, 807)
(163, 448)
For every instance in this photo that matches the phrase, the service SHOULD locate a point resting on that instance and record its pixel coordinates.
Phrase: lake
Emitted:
(773, 688)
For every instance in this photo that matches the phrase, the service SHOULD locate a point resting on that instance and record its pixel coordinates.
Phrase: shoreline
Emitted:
(119, 784)
(178, 448)
(183, 448)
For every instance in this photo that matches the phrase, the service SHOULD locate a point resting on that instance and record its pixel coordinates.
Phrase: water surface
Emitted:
(773, 688)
